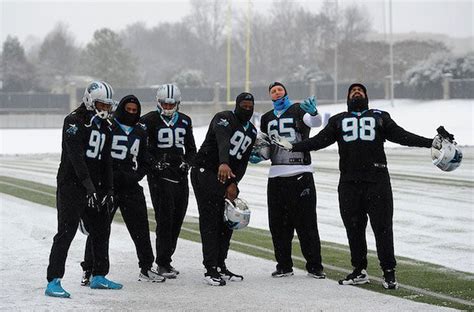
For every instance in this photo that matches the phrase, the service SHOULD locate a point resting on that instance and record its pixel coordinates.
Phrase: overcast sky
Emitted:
(34, 19)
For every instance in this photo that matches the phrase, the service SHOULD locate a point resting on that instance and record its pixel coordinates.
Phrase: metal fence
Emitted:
(26, 110)
(34, 103)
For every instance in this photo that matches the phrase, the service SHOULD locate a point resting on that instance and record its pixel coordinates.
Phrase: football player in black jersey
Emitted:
(130, 164)
(84, 187)
(364, 185)
(171, 143)
(219, 166)
(291, 193)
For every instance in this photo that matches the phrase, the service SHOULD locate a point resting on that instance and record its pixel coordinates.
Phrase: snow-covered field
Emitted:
(26, 234)
(433, 221)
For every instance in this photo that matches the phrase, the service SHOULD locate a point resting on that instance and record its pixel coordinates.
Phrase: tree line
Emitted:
(287, 43)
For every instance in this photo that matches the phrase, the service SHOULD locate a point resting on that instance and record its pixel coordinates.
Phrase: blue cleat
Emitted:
(100, 282)
(54, 289)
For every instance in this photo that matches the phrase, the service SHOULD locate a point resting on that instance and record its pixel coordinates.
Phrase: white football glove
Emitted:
(281, 142)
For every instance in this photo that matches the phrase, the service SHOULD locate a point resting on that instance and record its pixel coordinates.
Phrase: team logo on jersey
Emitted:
(72, 130)
(142, 125)
(185, 122)
(223, 122)
(305, 192)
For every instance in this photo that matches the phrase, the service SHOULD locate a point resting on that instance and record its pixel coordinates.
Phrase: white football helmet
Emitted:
(446, 154)
(168, 94)
(236, 214)
(99, 91)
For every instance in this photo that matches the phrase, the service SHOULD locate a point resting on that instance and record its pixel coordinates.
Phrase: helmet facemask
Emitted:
(165, 95)
(103, 108)
(168, 112)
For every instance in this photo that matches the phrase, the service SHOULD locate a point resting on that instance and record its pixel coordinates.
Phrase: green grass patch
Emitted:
(420, 281)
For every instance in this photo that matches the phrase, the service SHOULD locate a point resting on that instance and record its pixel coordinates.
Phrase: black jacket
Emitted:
(227, 141)
(360, 138)
(85, 156)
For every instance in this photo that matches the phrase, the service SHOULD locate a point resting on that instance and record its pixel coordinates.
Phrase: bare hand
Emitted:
(231, 192)
(224, 173)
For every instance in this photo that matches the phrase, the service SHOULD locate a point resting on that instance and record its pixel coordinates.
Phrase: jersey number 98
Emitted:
(354, 129)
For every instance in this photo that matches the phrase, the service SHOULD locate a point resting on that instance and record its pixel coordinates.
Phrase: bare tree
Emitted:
(207, 21)
(18, 73)
(106, 58)
(57, 58)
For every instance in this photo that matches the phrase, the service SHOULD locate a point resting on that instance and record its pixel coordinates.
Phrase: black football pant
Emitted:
(292, 206)
(170, 201)
(132, 205)
(72, 206)
(215, 235)
(356, 201)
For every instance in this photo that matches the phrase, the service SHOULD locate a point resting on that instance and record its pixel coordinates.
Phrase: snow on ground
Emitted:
(433, 219)
(420, 117)
(26, 232)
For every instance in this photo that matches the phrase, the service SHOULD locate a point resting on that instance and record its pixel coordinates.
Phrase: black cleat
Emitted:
(228, 275)
(213, 278)
(357, 277)
(86, 278)
(167, 271)
(318, 274)
(150, 275)
(389, 280)
(174, 270)
(282, 273)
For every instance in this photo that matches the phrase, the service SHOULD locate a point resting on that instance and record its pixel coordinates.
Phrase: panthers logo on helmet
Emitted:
(92, 86)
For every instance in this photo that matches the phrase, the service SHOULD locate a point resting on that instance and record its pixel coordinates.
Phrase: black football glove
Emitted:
(445, 134)
(184, 167)
(108, 203)
(160, 165)
(93, 201)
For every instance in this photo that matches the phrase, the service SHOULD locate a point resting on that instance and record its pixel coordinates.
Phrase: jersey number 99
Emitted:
(240, 142)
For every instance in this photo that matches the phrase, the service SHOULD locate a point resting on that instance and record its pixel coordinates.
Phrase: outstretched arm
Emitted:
(397, 134)
(323, 139)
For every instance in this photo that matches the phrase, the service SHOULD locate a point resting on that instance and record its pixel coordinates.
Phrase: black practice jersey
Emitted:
(227, 141)
(129, 154)
(360, 138)
(291, 126)
(85, 156)
(170, 141)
